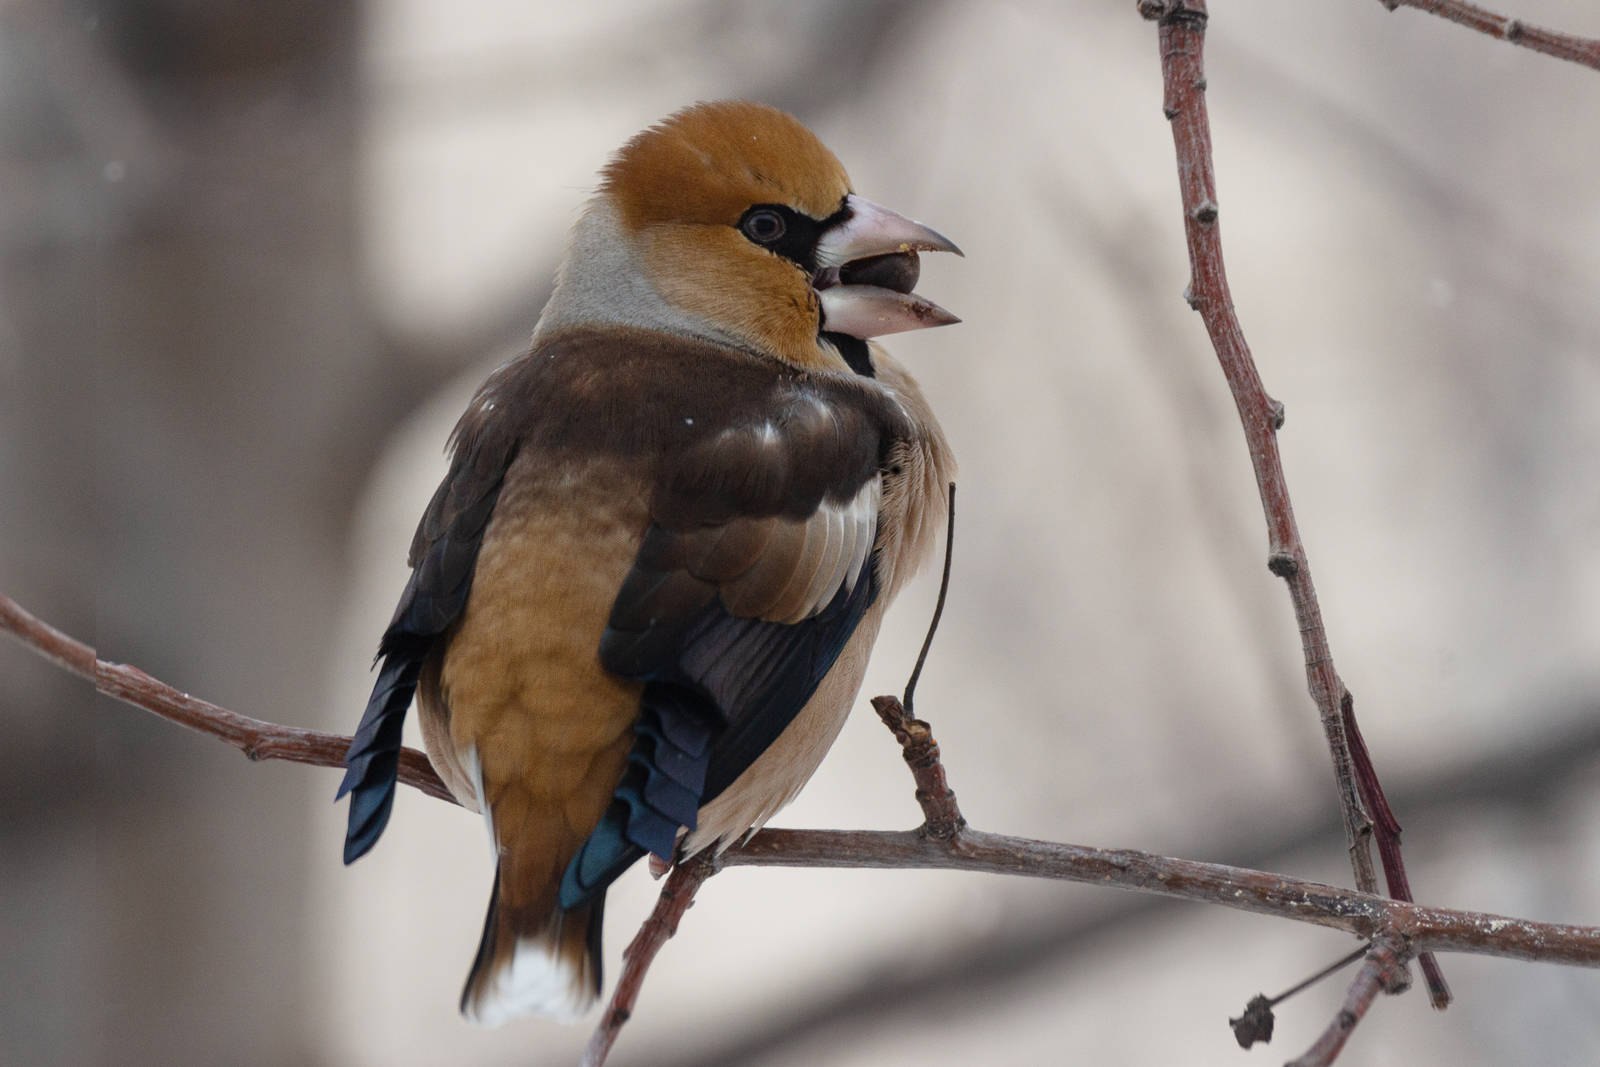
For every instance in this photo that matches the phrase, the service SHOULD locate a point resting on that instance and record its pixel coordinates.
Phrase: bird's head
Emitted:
(744, 225)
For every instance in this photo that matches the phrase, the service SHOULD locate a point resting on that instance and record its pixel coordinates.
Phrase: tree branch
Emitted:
(1363, 914)
(258, 740)
(1585, 51)
(1415, 927)
(1181, 27)
(677, 897)
(1033, 942)
(1383, 971)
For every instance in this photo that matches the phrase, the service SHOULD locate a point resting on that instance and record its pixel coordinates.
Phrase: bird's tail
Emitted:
(536, 960)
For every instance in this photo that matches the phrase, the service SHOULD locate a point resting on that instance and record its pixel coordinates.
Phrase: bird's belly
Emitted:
(525, 700)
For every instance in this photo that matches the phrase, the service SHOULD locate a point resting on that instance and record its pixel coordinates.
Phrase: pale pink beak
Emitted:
(872, 310)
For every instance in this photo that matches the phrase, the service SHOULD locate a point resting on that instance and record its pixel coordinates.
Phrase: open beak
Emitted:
(868, 266)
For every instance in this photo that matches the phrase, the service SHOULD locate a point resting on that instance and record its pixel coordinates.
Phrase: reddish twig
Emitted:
(1584, 51)
(257, 739)
(1182, 26)
(1182, 35)
(1384, 971)
(1387, 832)
(677, 897)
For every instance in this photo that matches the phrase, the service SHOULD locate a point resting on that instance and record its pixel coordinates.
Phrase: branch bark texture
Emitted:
(1585, 51)
(1363, 914)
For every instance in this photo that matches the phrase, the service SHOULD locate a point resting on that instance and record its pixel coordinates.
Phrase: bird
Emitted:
(643, 597)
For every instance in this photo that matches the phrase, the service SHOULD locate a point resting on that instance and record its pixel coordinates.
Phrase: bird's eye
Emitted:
(764, 226)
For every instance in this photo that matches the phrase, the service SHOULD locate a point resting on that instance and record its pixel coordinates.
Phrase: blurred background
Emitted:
(254, 258)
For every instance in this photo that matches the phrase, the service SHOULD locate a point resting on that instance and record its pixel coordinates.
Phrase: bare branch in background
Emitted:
(1584, 51)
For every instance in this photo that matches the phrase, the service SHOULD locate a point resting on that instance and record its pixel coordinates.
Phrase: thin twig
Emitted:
(677, 897)
(909, 699)
(1030, 943)
(257, 739)
(1383, 972)
(1182, 25)
(1331, 969)
(1584, 51)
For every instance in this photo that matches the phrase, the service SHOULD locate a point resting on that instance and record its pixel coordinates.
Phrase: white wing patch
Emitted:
(838, 540)
(861, 527)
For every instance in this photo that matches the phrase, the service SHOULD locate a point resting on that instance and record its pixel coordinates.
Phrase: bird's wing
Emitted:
(756, 569)
(444, 554)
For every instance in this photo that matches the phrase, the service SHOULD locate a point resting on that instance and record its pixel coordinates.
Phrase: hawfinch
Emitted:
(643, 598)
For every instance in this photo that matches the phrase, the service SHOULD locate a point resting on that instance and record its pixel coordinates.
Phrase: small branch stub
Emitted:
(1170, 11)
(942, 818)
